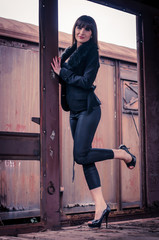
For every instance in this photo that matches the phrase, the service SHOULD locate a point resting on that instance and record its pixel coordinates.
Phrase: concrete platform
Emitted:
(142, 229)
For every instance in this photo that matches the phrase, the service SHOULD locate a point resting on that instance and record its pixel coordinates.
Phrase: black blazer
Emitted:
(77, 76)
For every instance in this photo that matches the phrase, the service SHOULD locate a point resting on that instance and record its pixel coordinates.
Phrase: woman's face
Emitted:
(82, 35)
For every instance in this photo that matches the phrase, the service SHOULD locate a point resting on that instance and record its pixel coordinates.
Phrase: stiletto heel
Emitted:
(97, 223)
(106, 220)
(133, 161)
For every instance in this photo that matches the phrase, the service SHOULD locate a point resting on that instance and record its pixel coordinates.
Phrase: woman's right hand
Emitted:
(56, 65)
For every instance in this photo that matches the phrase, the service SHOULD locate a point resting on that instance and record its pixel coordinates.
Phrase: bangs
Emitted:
(83, 24)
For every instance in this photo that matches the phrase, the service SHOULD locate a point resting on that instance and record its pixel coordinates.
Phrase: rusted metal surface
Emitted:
(19, 136)
(19, 101)
(19, 86)
(31, 215)
(49, 118)
(19, 146)
(142, 130)
(130, 97)
(20, 184)
(19, 30)
(130, 189)
(118, 132)
(133, 6)
(151, 89)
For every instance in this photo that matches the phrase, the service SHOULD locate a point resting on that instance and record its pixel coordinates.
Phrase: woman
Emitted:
(77, 69)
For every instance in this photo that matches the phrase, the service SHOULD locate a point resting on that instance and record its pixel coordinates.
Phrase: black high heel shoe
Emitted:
(97, 223)
(133, 161)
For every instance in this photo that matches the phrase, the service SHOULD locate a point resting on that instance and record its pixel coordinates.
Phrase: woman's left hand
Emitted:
(56, 65)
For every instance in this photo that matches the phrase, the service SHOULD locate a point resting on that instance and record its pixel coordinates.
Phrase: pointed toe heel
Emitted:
(97, 223)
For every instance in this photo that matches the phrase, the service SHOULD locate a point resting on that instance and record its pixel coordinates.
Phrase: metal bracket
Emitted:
(35, 120)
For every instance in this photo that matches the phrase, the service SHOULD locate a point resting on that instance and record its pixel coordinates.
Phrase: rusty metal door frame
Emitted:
(140, 69)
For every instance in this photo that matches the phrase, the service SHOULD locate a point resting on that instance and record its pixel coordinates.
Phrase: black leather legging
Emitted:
(83, 127)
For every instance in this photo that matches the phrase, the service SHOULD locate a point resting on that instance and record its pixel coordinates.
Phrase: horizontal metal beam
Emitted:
(19, 146)
(10, 215)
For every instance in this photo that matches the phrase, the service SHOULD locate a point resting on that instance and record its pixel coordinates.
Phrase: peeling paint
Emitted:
(51, 152)
(52, 136)
(79, 205)
(12, 164)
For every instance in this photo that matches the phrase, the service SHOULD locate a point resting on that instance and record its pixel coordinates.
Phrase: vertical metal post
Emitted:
(118, 131)
(141, 108)
(49, 124)
(150, 26)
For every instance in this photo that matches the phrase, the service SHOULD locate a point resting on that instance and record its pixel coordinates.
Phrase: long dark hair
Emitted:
(86, 22)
